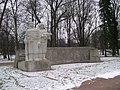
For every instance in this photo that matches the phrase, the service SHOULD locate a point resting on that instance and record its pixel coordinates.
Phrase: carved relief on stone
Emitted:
(36, 43)
(41, 26)
(32, 35)
(30, 25)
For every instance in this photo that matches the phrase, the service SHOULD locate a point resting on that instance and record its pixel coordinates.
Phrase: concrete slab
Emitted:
(32, 66)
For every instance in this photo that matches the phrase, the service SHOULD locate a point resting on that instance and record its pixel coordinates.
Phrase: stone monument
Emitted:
(35, 49)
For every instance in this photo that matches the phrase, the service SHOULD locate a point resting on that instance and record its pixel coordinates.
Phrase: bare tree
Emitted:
(34, 11)
(82, 17)
(55, 18)
(116, 7)
(68, 22)
(7, 32)
(14, 9)
(2, 14)
(33, 4)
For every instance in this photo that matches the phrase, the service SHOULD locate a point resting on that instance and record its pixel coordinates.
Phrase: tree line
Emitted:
(72, 23)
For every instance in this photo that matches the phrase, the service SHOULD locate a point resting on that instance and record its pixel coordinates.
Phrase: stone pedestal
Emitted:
(32, 66)
(35, 49)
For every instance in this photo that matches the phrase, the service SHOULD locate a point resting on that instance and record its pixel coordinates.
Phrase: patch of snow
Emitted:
(6, 61)
(61, 77)
(12, 57)
(109, 74)
(109, 58)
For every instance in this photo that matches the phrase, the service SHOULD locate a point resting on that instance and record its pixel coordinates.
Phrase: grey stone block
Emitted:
(94, 55)
(32, 66)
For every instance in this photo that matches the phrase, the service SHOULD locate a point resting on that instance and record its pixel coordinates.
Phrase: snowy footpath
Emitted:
(61, 77)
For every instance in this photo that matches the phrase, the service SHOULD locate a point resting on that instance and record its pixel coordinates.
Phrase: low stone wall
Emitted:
(62, 55)
(58, 55)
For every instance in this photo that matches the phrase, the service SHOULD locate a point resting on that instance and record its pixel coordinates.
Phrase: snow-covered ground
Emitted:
(12, 57)
(61, 77)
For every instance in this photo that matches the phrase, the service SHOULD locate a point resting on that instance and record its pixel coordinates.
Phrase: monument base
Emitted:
(33, 66)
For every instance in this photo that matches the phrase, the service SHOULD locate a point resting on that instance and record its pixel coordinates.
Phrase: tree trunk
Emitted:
(1, 18)
(16, 37)
(68, 31)
(16, 43)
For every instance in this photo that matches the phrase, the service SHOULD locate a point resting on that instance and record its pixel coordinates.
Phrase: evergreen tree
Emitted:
(107, 14)
(103, 16)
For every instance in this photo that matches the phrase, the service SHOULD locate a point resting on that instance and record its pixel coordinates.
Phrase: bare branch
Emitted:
(1, 18)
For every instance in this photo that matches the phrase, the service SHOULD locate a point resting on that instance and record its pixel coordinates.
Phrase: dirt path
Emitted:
(101, 84)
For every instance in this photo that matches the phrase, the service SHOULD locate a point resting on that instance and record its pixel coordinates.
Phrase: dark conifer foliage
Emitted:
(107, 15)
